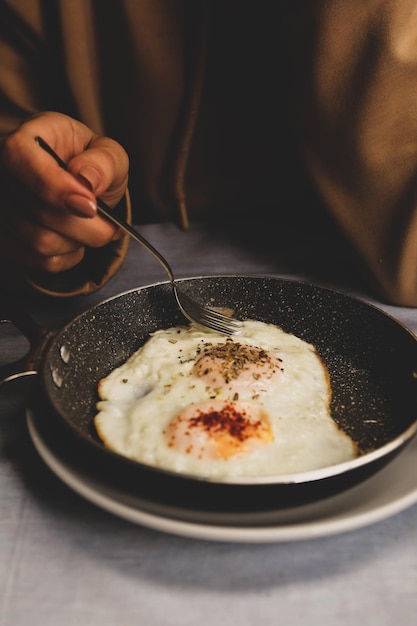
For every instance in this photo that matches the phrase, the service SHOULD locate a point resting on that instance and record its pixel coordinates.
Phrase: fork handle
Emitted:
(106, 211)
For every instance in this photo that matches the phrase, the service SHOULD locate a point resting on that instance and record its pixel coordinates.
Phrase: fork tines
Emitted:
(206, 316)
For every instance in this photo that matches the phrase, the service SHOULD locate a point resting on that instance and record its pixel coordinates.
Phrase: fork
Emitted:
(193, 311)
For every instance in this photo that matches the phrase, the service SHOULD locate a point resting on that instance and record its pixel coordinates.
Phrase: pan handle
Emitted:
(11, 312)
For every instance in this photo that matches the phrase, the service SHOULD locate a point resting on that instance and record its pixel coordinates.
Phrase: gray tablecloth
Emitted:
(65, 561)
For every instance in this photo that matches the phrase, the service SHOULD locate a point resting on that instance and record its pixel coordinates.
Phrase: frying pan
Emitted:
(371, 358)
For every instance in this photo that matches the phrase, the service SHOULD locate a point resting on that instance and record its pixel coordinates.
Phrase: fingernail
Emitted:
(90, 176)
(80, 205)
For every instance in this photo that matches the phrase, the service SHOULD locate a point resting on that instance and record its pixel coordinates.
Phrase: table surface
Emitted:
(66, 561)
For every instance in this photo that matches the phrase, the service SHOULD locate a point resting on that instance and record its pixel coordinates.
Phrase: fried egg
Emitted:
(194, 401)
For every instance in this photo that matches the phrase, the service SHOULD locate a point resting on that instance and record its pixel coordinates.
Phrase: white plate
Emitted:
(390, 491)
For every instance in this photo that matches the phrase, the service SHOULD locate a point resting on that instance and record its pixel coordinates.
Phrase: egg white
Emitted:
(139, 400)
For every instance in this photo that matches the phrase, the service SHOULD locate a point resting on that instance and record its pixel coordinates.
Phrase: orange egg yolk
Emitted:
(234, 366)
(218, 430)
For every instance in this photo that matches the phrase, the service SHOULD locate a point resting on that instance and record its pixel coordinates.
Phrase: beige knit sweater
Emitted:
(272, 108)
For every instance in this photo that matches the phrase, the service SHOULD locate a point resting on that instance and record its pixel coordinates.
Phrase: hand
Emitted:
(49, 216)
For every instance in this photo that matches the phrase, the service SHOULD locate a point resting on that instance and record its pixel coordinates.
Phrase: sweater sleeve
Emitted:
(357, 122)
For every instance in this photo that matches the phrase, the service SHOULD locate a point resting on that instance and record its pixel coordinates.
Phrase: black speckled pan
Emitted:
(372, 360)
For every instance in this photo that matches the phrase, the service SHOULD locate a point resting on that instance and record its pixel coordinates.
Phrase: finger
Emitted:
(103, 168)
(47, 251)
(98, 165)
(94, 233)
(25, 215)
(36, 169)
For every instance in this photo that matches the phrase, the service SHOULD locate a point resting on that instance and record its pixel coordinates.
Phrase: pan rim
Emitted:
(293, 281)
